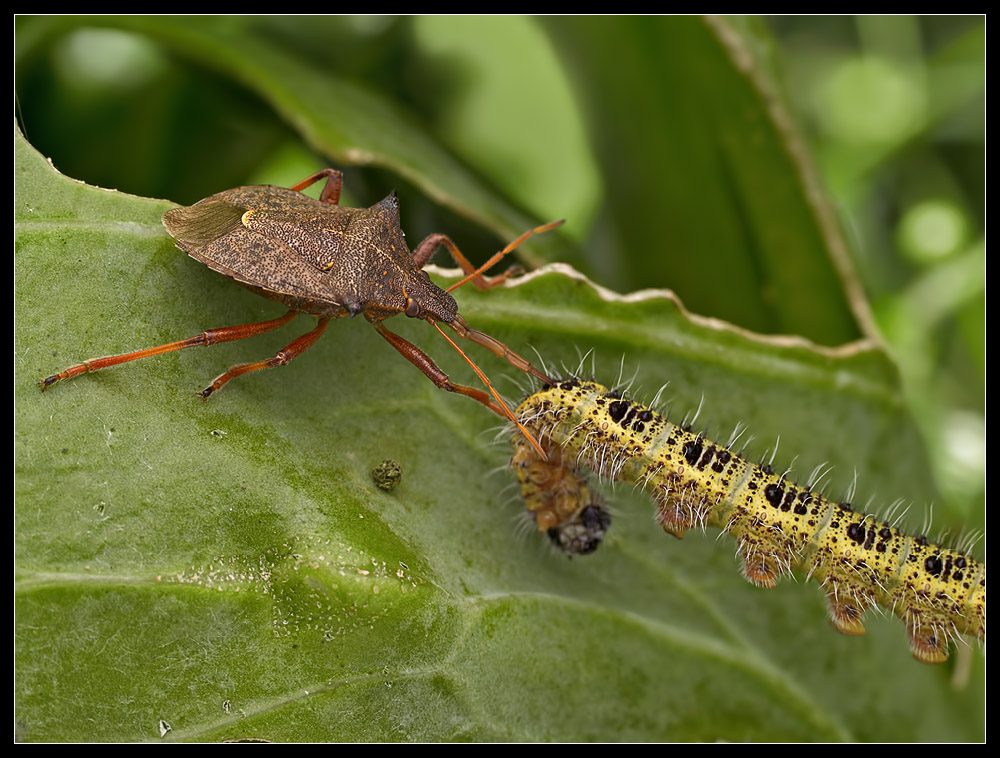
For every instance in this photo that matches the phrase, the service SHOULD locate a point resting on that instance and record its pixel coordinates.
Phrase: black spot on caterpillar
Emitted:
(779, 525)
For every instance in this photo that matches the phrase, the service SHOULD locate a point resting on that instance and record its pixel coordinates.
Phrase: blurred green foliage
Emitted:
(894, 107)
(723, 159)
(633, 129)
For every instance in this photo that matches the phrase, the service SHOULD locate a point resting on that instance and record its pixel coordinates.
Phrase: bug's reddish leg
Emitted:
(210, 337)
(426, 249)
(422, 361)
(507, 412)
(331, 192)
(292, 350)
(495, 258)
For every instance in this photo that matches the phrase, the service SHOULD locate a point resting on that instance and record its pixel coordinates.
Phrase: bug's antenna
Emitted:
(495, 346)
(500, 401)
(495, 258)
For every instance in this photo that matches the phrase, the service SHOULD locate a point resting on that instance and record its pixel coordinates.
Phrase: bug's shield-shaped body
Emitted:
(313, 257)
(319, 258)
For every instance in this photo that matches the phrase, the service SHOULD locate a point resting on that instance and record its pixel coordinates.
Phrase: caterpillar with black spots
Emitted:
(779, 526)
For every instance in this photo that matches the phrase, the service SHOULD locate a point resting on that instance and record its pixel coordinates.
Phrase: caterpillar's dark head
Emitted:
(582, 534)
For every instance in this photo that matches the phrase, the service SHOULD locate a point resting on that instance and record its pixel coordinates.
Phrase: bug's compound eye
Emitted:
(412, 308)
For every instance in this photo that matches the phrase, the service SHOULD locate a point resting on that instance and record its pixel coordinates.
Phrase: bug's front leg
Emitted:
(426, 249)
(422, 361)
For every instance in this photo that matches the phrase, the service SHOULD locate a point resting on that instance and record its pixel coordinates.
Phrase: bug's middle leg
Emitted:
(292, 350)
(331, 190)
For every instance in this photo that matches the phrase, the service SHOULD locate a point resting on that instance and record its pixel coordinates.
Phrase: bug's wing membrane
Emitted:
(212, 232)
(203, 222)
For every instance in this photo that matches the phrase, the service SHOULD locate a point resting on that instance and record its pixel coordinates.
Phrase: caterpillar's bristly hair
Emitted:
(779, 526)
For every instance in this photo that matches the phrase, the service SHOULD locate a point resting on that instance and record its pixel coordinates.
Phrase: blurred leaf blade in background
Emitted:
(707, 172)
(914, 191)
(229, 569)
(338, 117)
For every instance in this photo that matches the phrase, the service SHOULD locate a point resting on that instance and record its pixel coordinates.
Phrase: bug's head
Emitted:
(425, 300)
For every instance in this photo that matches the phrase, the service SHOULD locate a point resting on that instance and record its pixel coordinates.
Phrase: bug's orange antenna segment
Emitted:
(485, 379)
(511, 246)
(496, 347)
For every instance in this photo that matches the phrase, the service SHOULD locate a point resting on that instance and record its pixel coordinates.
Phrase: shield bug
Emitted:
(319, 258)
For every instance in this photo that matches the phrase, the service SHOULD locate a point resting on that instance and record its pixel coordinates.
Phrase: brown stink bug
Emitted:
(319, 258)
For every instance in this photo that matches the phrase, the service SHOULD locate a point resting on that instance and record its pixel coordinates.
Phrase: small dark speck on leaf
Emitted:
(387, 475)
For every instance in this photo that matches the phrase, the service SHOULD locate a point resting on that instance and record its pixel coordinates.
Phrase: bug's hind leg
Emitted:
(292, 350)
(210, 337)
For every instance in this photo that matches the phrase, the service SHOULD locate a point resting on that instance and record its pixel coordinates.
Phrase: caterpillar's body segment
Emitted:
(564, 506)
(779, 526)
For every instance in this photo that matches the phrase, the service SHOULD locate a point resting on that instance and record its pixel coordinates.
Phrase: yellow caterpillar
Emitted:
(779, 526)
